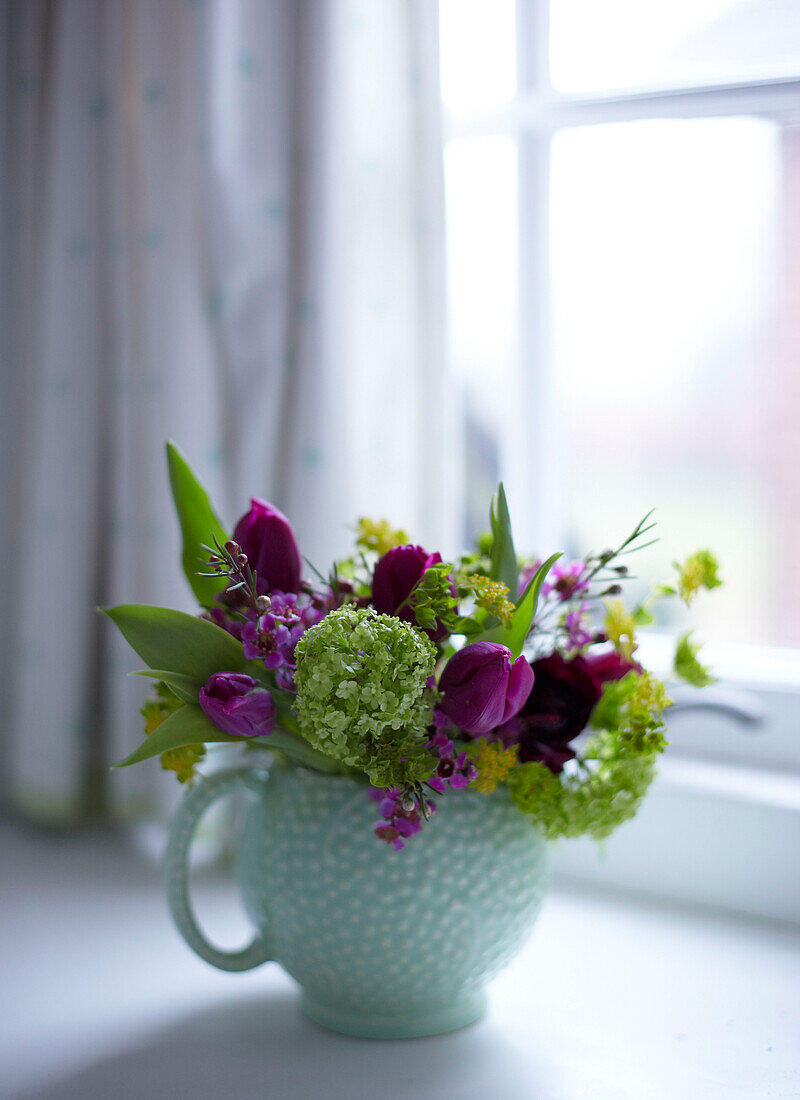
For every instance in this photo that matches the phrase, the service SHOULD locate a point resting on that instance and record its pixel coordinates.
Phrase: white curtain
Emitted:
(221, 224)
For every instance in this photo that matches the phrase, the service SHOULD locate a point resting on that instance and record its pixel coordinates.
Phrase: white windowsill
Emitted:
(611, 999)
(758, 788)
(754, 666)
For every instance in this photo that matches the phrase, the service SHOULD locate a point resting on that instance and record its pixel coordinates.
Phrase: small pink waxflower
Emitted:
(455, 769)
(576, 623)
(567, 580)
(400, 820)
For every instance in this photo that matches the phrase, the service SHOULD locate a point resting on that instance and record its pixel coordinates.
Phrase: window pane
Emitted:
(477, 53)
(635, 43)
(481, 194)
(677, 326)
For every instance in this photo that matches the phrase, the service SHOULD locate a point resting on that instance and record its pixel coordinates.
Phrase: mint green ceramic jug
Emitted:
(384, 944)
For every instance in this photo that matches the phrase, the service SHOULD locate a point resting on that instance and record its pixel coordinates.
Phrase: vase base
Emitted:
(408, 1025)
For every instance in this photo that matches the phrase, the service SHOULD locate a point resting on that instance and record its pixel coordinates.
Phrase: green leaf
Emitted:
(186, 726)
(185, 687)
(425, 618)
(605, 715)
(287, 717)
(199, 524)
(642, 616)
(466, 625)
(686, 664)
(176, 642)
(515, 635)
(189, 726)
(299, 750)
(503, 556)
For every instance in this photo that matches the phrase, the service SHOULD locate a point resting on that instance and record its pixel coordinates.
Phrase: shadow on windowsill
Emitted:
(264, 1047)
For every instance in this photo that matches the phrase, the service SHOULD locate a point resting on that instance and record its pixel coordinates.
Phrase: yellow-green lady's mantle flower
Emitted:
(379, 535)
(619, 625)
(700, 570)
(156, 710)
(492, 596)
(494, 763)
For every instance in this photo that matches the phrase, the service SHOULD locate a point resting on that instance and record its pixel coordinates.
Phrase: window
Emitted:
(622, 188)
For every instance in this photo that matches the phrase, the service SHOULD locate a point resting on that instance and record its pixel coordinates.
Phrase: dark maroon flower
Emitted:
(395, 576)
(609, 666)
(482, 686)
(266, 537)
(556, 711)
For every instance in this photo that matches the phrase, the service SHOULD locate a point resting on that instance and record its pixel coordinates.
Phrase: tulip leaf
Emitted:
(299, 750)
(199, 525)
(514, 635)
(189, 726)
(503, 556)
(185, 687)
(185, 726)
(468, 625)
(176, 642)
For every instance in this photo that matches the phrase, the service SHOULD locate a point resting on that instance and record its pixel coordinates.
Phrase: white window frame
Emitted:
(723, 817)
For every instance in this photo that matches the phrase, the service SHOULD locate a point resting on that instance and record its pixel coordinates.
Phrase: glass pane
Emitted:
(677, 327)
(639, 43)
(477, 53)
(481, 194)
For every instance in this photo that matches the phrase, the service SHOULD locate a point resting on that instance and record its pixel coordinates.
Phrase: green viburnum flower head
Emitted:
(362, 694)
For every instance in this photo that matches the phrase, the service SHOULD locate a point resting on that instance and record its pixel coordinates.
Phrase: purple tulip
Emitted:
(266, 537)
(482, 686)
(395, 575)
(237, 705)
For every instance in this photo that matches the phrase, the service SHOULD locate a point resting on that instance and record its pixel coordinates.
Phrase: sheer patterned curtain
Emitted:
(222, 224)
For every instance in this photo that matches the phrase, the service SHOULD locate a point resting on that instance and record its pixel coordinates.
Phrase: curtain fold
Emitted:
(223, 225)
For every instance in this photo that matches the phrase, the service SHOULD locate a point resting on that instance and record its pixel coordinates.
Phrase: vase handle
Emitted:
(176, 868)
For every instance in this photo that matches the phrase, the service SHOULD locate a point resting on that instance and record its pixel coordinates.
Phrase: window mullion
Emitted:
(537, 107)
(532, 482)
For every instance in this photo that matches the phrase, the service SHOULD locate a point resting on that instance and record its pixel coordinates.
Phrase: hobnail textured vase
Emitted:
(384, 944)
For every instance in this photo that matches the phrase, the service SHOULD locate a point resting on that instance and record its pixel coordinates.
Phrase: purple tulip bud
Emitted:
(266, 537)
(395, 575)
(482, 686)
(237, 705)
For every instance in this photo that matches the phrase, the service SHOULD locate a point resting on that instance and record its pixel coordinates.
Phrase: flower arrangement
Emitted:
(423, 677)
